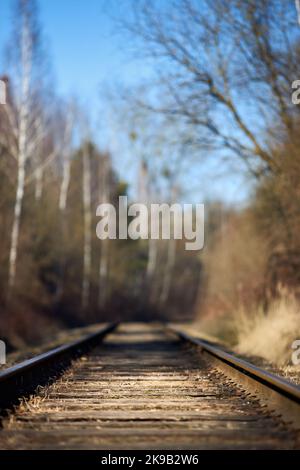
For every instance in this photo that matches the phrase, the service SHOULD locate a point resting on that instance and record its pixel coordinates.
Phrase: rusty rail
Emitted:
(279, 395)
(22, 379)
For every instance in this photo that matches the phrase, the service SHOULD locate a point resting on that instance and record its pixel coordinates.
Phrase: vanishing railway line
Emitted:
(145, 386)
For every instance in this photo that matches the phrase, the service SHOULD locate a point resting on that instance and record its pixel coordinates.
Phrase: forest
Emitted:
(221, 96)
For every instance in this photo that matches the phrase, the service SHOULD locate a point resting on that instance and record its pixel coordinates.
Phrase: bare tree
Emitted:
(66, 155)
(87, 223)
(171, 255)
(26, 51)
(26, 118)
(66, 140)
(144, 197)
(104, 196)
(225, 68)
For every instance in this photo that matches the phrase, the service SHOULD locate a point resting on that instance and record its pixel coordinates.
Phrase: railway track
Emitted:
(22, 379)
(143, 386)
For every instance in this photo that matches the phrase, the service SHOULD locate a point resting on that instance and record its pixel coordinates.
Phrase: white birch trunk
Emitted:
(64, 184)
(63, 194)
(87, 214)
(26, 53)
(66, 162)
(171, 257)
(35, 151)
(16, 221)
(145, 198)
(104, 254)
(103, 274)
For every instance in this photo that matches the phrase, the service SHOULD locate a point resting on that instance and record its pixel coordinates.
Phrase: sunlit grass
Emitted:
(269, 334)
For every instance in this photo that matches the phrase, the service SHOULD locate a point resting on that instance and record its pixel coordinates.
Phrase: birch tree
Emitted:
(144, 142)
(171, 257)
(42, 149)
(87, 224)
(25, 117)
(37, 151)
(26, 52)
(104, 196)
(66, 155)
(67, 124)
(144, 197)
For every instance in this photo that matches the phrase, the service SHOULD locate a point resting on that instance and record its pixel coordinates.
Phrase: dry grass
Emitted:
(269, 334)
(255, 333)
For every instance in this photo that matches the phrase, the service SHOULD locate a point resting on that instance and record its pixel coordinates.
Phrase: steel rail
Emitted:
(278, 394)
(23, 378)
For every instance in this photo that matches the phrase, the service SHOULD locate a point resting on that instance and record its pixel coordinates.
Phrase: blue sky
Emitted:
(88, 55)
(83, 48)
